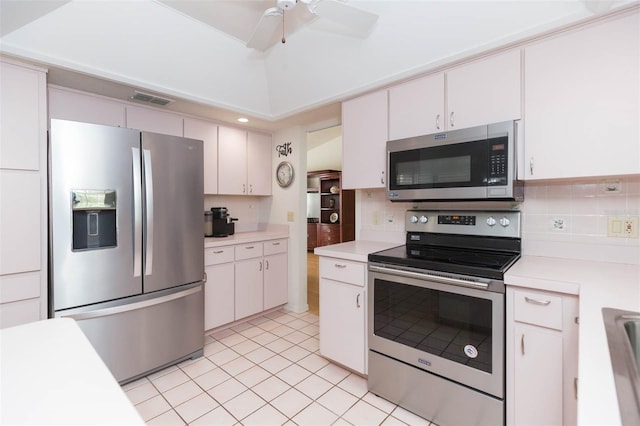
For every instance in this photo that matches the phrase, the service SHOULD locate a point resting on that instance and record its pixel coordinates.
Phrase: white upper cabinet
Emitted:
(481, 92)
(258, 164)
(582, 98)
(484, 91)
(417, 107)
(244, 162)
(207, 132)
(22, 106)
(364, 139)
(232, 161)
(150, 120)
(67, 105)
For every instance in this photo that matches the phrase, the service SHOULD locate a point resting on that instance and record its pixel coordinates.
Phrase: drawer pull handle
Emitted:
(537, 302)
(276, 244)
(218, 251)
(267, 264)
(358, 300)
(260, 268)
(522, 344)
(337, 265)
(249, 247)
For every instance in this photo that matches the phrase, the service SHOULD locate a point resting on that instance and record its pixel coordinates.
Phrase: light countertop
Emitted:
(246, 237)
(52, 375)
(598, 285)
(353, 250)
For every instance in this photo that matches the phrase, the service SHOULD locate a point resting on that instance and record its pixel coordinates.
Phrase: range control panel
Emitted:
(497, 223)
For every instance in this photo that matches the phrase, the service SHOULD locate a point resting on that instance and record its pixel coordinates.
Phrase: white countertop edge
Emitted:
(244, 237)
(357, 251)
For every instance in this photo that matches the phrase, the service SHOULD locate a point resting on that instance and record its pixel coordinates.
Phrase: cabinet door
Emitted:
(20, 214)
(23, 106)
(249, 288)
(417, 107)
(232, 161)
(342, 326)
(259, 164)
(484, 91)
(219, 295)
(208, 133)
(150, 120)
(276, 281)
(364, 139)
(538, 395)
(73, 106)
(581, 102)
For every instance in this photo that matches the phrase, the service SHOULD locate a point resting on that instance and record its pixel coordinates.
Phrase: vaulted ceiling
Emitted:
(195, 50)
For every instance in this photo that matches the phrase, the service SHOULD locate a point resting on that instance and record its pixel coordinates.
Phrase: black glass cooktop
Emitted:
(473, 262)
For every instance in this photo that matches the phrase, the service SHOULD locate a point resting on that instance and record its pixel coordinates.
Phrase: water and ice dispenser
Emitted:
(94, 219)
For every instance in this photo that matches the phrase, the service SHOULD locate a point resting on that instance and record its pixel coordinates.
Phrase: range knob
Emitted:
(505, 222)
(491, 221)
(414, 219)
(424, 219)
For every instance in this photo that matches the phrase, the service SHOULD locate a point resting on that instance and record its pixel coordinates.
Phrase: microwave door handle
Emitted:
(148, 184)
(137, 212)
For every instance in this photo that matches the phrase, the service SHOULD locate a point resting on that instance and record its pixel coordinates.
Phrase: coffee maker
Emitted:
(221, 223)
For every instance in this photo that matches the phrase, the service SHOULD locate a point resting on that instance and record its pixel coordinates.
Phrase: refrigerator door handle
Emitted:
(148, 184)
(137, 212)
(133, 306)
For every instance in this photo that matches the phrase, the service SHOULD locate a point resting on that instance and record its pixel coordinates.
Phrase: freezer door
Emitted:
(95, 240)
(173, 189)
(144, 333)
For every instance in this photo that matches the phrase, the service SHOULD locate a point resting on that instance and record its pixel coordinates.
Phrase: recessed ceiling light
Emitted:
(243, 120)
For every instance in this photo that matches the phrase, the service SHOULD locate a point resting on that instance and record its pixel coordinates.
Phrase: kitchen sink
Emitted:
(623, 336)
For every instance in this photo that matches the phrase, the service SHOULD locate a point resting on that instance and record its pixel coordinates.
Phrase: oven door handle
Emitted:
(424, 275)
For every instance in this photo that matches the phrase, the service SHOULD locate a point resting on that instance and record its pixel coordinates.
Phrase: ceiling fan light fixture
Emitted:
(286, 4)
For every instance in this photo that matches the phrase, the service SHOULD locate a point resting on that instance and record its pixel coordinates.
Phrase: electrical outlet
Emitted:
(558, 224)
(622, 226)
(376, 217)
(289, 216)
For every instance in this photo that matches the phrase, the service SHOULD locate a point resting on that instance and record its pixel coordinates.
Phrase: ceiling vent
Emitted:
(152, 99)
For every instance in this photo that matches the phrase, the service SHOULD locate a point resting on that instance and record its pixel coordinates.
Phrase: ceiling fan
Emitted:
(358, 21)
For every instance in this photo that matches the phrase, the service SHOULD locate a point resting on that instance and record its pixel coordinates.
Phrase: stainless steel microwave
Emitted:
(478, 163)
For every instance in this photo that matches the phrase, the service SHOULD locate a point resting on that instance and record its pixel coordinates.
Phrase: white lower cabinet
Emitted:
(343, 312)
(219, 290)
(244, 279)
(542, 357)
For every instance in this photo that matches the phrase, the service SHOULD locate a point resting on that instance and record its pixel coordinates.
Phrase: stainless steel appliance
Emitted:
(436, 315)
(478, 163)
(127, 257)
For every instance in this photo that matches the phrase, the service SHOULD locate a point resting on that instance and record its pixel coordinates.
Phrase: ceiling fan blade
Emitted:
(359, 21)
(263, 36)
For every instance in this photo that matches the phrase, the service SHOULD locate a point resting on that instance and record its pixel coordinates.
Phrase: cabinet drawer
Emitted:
(343, 270)
(247, 251)
(19, 287)
(538, 308)
(328, 234)
(275, 246)
(217, 255)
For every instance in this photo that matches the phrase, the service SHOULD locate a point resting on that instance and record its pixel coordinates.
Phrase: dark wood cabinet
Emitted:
(312, 236)
(337, 211)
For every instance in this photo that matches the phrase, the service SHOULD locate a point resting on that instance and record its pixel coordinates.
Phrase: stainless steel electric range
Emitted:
(436, 321)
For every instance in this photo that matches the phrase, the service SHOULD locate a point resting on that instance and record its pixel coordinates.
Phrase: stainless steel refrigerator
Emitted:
(126, 243)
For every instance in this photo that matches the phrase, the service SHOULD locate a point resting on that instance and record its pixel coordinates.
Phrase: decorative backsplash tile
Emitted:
(561, 219)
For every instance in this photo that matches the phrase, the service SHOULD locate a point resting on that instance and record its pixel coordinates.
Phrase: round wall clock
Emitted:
(284, 174)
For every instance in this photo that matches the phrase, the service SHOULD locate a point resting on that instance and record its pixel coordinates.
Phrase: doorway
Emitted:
(324, 152)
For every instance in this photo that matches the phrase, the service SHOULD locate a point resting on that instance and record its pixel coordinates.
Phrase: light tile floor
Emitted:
(266, 371)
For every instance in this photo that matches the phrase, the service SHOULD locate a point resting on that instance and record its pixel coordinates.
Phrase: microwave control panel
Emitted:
(497, 163)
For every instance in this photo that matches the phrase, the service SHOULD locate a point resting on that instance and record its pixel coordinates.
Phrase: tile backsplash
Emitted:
(561, 219)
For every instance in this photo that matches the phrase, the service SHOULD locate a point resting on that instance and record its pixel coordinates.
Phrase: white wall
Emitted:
(324, 149)
(583, 204)
(293, 200)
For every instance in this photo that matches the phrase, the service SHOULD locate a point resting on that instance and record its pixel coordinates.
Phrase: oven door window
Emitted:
(452, 326)
(458, 165)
